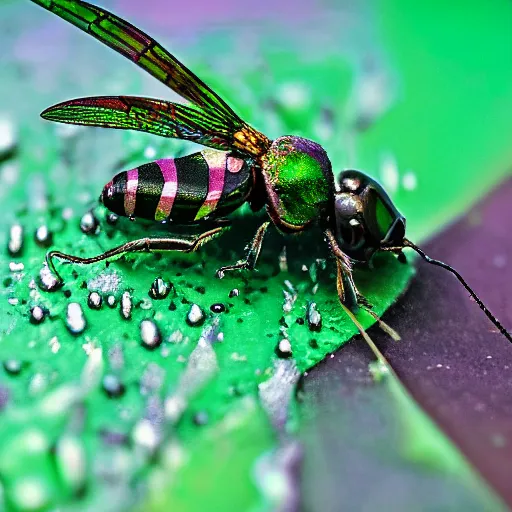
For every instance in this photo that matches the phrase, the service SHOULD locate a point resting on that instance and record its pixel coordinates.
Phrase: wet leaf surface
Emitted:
(114, 394)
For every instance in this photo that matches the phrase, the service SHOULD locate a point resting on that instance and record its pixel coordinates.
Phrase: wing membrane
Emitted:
(158, 117)
(144, 51)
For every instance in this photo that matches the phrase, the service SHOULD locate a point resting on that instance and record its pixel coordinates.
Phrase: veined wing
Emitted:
(144, 51)
(158, 117)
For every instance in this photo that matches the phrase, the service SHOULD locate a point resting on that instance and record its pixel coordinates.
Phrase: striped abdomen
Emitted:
(187, 189)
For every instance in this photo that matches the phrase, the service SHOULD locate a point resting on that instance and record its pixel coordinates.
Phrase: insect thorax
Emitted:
(299, 181)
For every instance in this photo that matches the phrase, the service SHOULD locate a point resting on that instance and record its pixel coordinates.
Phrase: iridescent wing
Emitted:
(158, 117)
(158, 62)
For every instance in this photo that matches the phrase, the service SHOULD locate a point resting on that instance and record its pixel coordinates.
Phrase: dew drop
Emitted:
(284, 348)
(218, 308)
(94, 300)
(150, 334)
(195, 316)
(37, 315)
(47, 279)
(89, 223)
(113, 386)
(43, 236)
(314, 317)
(15, 243)
(75, 320)
(126, 306)
(12, 366)
(159, 289)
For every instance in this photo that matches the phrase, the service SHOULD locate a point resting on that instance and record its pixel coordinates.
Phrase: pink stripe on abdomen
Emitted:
(216, 161)
(168, 168)
(130, 198)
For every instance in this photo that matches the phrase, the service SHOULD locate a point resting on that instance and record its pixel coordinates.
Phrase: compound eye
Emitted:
(353, 234)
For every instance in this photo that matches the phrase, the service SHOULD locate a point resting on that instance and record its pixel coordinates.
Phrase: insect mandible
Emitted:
(290, 176)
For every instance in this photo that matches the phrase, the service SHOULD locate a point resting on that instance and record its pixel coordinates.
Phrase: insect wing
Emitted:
(158, 117)
(158, 62)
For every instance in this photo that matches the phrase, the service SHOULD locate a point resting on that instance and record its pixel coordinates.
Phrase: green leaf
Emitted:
(192, 424)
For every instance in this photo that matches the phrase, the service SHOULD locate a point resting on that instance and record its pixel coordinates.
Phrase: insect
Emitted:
(290, 176)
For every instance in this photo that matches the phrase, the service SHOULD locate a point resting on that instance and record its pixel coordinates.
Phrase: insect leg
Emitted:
(253, 251)
(349, 296)
(347, 290)
(140, 245)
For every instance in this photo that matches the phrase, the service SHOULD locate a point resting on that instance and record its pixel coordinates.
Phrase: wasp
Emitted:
(291, 177)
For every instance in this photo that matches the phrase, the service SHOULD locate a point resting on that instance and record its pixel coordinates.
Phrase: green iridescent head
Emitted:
(299, 182)
(366, 218)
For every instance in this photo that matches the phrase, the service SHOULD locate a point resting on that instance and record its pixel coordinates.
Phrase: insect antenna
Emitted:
(490, 316)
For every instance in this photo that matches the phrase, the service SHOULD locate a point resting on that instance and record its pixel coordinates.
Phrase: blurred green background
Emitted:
(417, 95)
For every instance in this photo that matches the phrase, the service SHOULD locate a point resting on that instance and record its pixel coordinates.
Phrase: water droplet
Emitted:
(201, 418)
(150, 334)
(409, 181)
(195, 316)
(71, 462)
(146, 435)
(150, 152)
(314, 317)
(75, 320)
(8, 140)
(29, 493)
(126, 305)
(12, 366)
(15, 244)
(160, 289)
(38, 384)
(389, 173)
(284, 348)
(94, 300)
(112, 219)
(217, 308)
(37, 315)
(67, 213)
(16, 267)
(48, 281)
(112, 386)
(43, 236)
(54, 344)
(89, 223)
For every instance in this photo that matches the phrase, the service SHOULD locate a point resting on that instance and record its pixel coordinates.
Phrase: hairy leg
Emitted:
(140, 245)
(349, 296)
(253, 252)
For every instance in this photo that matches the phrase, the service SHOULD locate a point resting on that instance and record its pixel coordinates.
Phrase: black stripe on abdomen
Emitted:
(149, 190)
(114, 193)
(193, 178)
